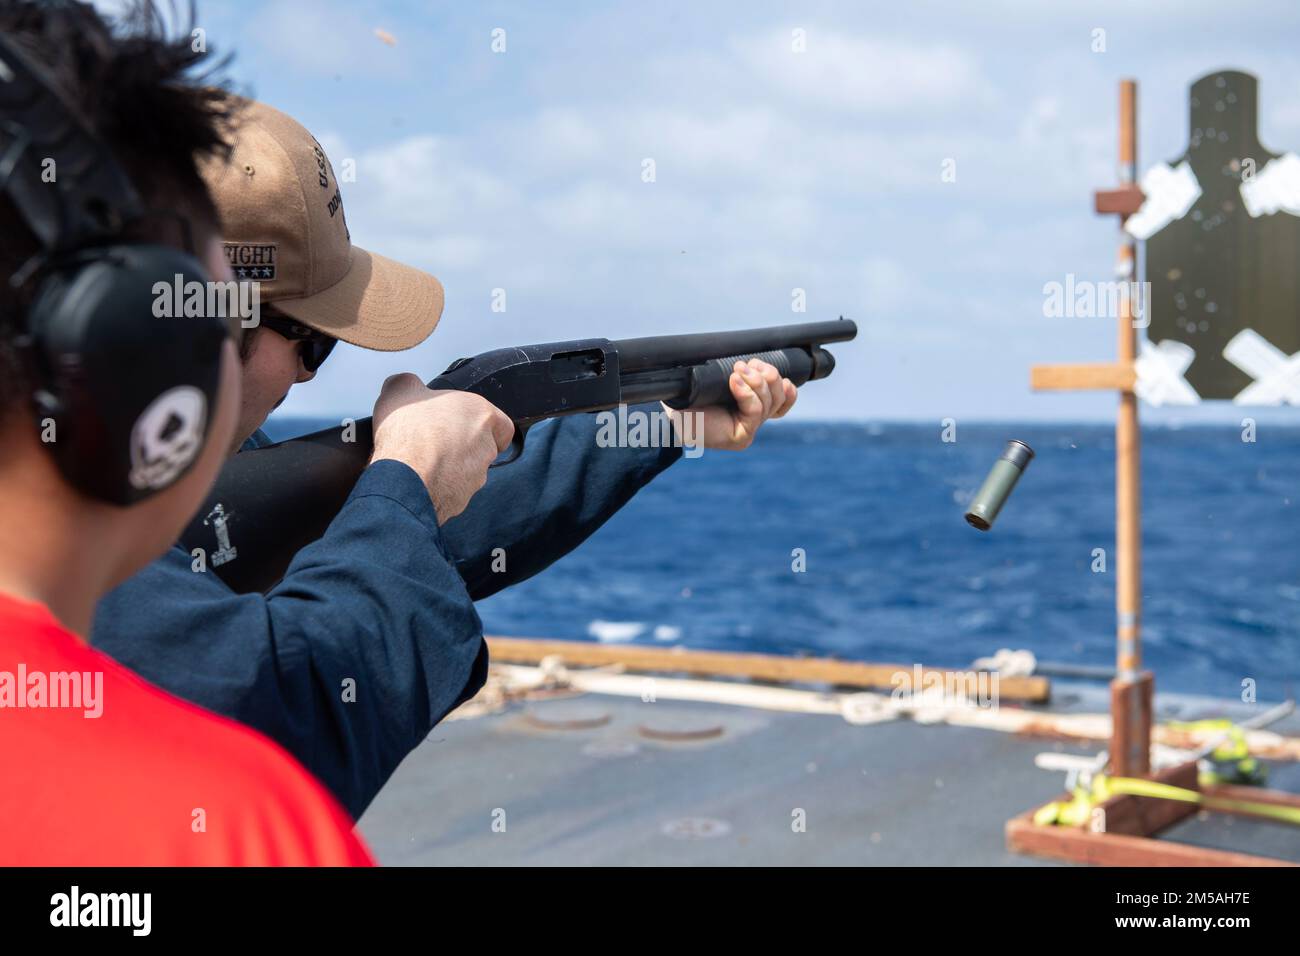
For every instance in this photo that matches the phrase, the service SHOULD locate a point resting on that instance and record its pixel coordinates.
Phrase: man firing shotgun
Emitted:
(280, 498)
(383, 600)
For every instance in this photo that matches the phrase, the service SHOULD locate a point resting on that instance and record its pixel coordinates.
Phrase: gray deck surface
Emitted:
(896, 793)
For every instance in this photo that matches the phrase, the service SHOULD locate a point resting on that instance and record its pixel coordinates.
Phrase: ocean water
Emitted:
(702, 557)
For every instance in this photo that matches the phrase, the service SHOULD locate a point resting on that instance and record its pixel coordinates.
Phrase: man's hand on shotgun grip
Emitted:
(448, 438)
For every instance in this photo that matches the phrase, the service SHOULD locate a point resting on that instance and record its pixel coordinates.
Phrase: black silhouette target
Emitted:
(1219, 270)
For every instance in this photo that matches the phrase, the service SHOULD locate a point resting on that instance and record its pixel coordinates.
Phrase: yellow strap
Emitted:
(1076, 812)
(1066, 813)
(1104, 786)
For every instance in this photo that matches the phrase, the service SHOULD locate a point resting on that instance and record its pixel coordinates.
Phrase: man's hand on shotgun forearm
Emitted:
(760, 392)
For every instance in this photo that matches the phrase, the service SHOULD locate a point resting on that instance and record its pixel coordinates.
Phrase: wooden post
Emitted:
(1131, 691)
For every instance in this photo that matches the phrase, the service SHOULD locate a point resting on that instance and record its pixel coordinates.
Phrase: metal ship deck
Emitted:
(609, 778)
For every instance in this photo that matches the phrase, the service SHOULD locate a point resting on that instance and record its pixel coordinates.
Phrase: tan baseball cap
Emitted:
(282, 220)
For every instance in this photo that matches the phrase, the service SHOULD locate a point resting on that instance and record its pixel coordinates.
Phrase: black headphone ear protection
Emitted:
(125, 382)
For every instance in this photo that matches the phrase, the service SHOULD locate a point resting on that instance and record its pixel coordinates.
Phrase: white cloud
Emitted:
(313, 44)
(563, 136)
(843, 71)
(439, 253)
(887, 285)
(325, 38)
(587, 208)
(425, 180)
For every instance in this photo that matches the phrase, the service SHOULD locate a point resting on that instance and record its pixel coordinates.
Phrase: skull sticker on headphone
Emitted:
(167, 437)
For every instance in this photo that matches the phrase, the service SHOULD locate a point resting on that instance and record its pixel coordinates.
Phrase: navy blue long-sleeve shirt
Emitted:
(372, 637)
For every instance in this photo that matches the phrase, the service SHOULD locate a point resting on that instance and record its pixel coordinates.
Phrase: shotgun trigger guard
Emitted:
(516, 445)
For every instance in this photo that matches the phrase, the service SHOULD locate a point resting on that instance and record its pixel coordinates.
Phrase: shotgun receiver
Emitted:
(270, 502)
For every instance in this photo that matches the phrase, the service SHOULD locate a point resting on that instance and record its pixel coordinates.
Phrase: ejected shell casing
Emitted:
(993, 494)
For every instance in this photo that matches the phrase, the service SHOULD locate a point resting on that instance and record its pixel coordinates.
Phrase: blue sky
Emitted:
(522, 170)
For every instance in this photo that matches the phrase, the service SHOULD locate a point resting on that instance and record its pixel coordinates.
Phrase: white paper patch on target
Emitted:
(1276, 188)
(1169, 193)
(1160, 369)
(1276, 375)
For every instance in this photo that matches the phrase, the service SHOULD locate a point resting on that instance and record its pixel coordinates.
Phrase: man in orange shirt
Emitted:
(113, 423)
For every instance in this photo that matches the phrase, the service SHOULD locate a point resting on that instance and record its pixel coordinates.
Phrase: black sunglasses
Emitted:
(313, 347)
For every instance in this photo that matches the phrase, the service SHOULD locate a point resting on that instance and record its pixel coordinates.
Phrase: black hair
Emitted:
(135, 83)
